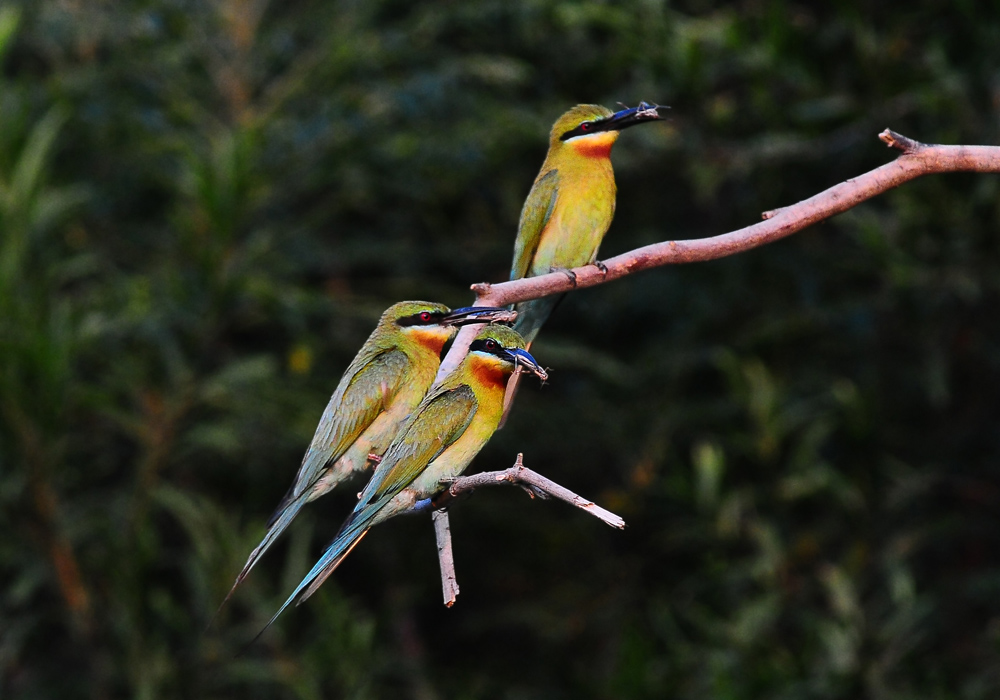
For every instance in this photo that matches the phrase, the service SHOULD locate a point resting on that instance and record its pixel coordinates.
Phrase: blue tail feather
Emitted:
(273, 532)
(351, 533)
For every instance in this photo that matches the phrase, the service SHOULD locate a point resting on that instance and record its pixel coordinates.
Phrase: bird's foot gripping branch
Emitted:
(533, 483)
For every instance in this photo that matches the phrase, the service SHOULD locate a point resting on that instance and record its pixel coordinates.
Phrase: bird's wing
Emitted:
(368, 386)
(437, 423)
(535, 215)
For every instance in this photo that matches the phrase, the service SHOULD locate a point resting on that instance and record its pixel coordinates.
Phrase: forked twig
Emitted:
(518, 475)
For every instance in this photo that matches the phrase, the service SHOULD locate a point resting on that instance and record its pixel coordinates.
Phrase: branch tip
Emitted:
(895, 140)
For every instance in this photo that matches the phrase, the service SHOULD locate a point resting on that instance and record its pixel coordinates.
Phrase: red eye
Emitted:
(425, 316)
(490, 345)
(585, 126)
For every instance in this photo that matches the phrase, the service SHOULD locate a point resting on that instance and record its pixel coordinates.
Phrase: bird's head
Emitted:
(497, 351)
(592, 129)
(432, 325)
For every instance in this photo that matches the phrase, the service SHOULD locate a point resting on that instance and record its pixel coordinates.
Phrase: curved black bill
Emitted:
(622, 119)
(478, 314)
(625, 118)
(523, 359)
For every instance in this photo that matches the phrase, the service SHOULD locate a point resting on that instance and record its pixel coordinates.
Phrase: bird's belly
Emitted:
(374, 440)
(573, 235)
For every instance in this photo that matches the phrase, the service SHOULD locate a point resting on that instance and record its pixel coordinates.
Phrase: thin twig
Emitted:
(903, 143)
(518, 475)
(446, 556)
(537, 484)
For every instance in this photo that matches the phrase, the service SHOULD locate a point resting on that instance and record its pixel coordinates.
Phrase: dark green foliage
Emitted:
(205, 206)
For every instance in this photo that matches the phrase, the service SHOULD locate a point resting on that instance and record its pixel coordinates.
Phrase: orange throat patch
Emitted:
(490, 372)
(431, 338)
(596, 146)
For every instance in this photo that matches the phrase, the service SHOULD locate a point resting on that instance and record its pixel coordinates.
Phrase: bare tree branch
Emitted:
(446, 556)
(917, 159)
(532, 482)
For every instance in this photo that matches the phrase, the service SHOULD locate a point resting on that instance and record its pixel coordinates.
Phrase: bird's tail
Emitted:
(286, 500)
(282, 517)
(348, 538)
(275, 528)
(531, 316)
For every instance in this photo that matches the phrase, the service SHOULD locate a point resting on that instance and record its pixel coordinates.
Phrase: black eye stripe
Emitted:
(483, 345)
(588, 127)
(416, 320)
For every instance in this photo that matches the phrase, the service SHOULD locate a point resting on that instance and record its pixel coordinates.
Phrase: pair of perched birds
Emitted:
(385, 410)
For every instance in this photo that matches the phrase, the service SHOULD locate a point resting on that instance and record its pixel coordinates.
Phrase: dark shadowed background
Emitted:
(204, 207)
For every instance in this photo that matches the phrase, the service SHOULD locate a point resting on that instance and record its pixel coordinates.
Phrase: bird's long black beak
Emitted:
(478, 314)
(522, 358)
(625, 118)
(622, 119)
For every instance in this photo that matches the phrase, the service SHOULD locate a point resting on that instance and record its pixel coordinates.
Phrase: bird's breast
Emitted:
(578, 223)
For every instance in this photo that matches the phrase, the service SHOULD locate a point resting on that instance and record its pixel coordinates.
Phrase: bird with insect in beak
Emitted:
(449, 427)
(571, 203)
(379, 390)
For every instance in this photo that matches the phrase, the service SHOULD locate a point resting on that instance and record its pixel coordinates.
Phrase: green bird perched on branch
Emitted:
(572, 202)
(449, 427)
(378, 392)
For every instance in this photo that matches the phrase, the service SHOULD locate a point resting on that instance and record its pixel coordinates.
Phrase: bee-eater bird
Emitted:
(572, 202)
(378, 392)
(448, 429)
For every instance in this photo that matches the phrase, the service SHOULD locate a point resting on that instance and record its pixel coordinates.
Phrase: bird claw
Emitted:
(601, 266)
(569, 273)
(374, 459)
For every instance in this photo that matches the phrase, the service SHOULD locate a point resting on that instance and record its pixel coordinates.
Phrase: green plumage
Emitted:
(449, 427)
(377, 393)
(442, 417)
(368, 388)
(571, 204)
